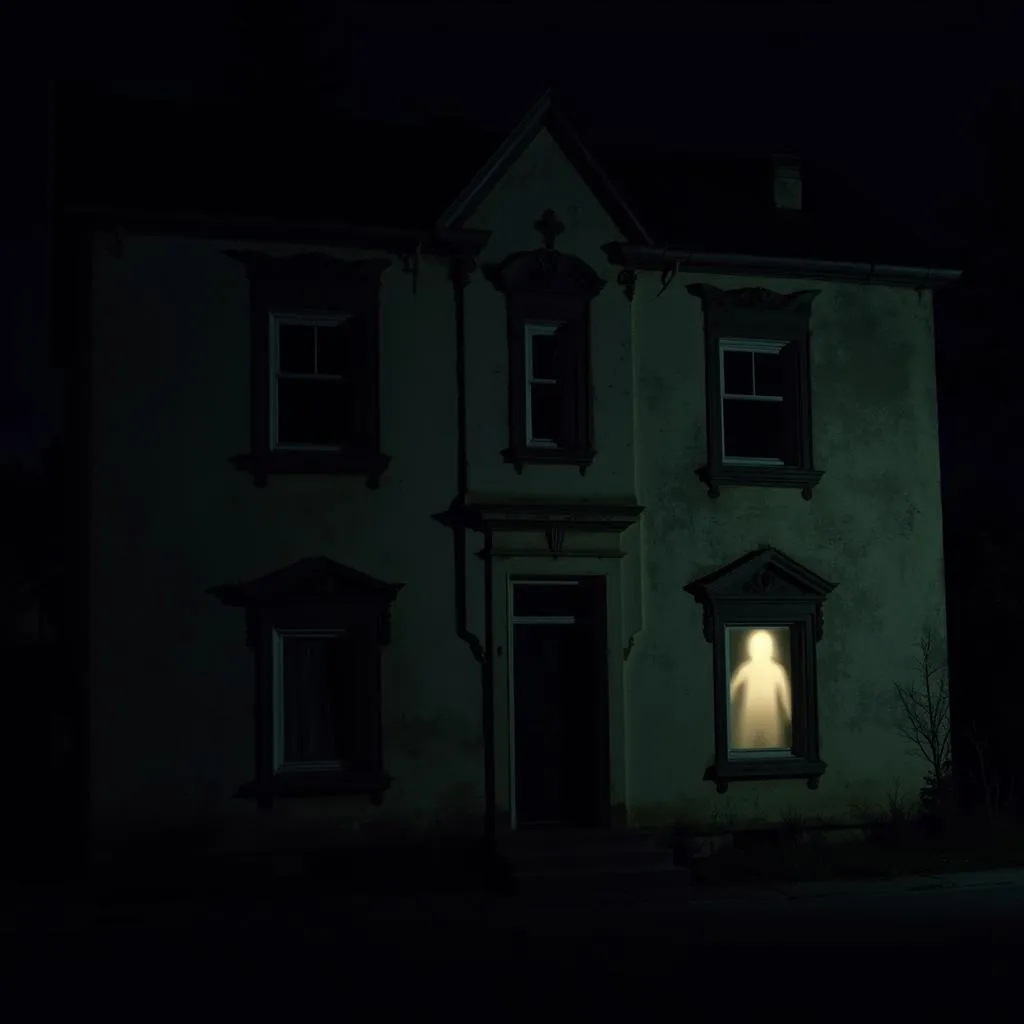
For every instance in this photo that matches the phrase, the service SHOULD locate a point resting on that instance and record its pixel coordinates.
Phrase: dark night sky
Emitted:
(892, 94)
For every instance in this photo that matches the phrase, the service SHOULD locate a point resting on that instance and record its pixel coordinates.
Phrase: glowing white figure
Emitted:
(759, 699)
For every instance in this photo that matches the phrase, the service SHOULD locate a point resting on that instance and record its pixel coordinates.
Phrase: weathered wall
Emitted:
(172, 680)
(873, 527)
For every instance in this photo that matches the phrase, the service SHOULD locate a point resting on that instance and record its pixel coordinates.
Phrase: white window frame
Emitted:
(768, 753)
(312, 319)
(282, 767)
(524, 620)
(752, 346)
(534, 329)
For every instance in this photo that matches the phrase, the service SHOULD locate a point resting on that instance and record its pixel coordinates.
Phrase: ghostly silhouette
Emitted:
(759, 699)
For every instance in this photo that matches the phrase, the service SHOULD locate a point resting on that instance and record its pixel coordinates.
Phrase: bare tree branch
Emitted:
(923, 706)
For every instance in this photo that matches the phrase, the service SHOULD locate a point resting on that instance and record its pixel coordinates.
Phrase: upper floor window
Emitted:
(758, 388)
(756, 402)
(314, 362)
(315, 367)
(550, 395)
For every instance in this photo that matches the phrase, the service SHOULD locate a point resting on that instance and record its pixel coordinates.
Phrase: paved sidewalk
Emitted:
(50, 909)
(859, 888)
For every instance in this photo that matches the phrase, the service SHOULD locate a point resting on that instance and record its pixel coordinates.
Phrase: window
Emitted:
(314, 376)
(763, 616)
(545, 380)
(318, 722)
(314, 367)
(317, 631)
(758, 387)
(550, 399)
(753, 402)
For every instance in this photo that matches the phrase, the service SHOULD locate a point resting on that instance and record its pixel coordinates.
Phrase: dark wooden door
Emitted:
(559, 661)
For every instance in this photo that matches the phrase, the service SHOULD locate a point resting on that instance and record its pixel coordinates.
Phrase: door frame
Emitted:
(514, 568)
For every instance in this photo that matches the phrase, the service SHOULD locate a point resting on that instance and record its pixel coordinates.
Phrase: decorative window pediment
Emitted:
(763, 617)
(316, 629)
(545, 272)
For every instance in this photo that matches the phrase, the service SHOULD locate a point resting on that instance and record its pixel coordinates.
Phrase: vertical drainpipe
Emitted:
(460, 268)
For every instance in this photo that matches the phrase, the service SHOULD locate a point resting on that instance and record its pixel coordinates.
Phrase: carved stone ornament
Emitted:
(754, 299)
(544, 271)
(626, 280)
(550, 227)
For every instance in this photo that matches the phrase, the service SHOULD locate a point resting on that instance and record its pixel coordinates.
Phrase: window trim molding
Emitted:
(542, 286)
(756, 314)
(319, 595)
(766, 588)
(306, 284)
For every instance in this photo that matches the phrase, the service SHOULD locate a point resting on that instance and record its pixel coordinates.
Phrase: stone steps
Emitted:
(601, 858)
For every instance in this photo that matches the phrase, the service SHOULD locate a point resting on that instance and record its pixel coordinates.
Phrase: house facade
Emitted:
(525, 517)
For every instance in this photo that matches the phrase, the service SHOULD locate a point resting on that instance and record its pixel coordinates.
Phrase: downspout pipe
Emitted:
(460, 268)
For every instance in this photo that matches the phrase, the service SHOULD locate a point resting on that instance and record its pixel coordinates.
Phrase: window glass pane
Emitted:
(769, 375)
(545, 357)
(545, 412)
(545, 599)
(295, 348)
(335, 348)
(760, 688)
(315, 684)
(753, 429)
(738, 373)
(311, 411)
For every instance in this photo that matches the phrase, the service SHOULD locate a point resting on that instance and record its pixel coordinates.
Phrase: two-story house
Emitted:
(597, 495)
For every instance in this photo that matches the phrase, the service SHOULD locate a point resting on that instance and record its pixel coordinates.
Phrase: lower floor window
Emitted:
(317, 630)
(316, 701)
(760, 702)
(763, 616)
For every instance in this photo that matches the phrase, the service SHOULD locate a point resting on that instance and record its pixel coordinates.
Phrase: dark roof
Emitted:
(204, 158)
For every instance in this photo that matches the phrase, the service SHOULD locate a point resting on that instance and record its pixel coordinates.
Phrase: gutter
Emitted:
(647, 257)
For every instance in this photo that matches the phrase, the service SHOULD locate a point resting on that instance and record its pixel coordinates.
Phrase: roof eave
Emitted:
(440, 241)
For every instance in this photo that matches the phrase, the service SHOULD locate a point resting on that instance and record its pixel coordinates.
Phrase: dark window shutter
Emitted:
(793, 406)
(355, 671)
(571, 381)
(362, 388)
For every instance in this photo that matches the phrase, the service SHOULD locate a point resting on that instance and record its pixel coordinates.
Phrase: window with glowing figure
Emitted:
(760, 704)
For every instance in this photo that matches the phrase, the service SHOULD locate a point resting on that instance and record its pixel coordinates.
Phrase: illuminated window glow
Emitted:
(760, 691)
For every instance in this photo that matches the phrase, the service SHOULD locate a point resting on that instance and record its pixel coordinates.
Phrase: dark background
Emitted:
(917, 107)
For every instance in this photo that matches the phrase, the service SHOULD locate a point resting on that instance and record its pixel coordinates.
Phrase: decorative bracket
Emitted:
(627, 281)
(555, 536)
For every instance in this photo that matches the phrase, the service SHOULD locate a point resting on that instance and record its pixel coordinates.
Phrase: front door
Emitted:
(560, 702)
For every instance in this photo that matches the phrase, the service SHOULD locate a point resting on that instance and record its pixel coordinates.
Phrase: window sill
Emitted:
(521, 456)
(319, 783)
(263, 465)
(736, 475)
(763, 770)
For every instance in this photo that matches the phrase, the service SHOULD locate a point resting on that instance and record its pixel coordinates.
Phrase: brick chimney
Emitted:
(788, 185)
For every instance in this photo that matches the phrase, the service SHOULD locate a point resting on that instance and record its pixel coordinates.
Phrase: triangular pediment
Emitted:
(546, 114)
(764, 574)
(318, 579)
